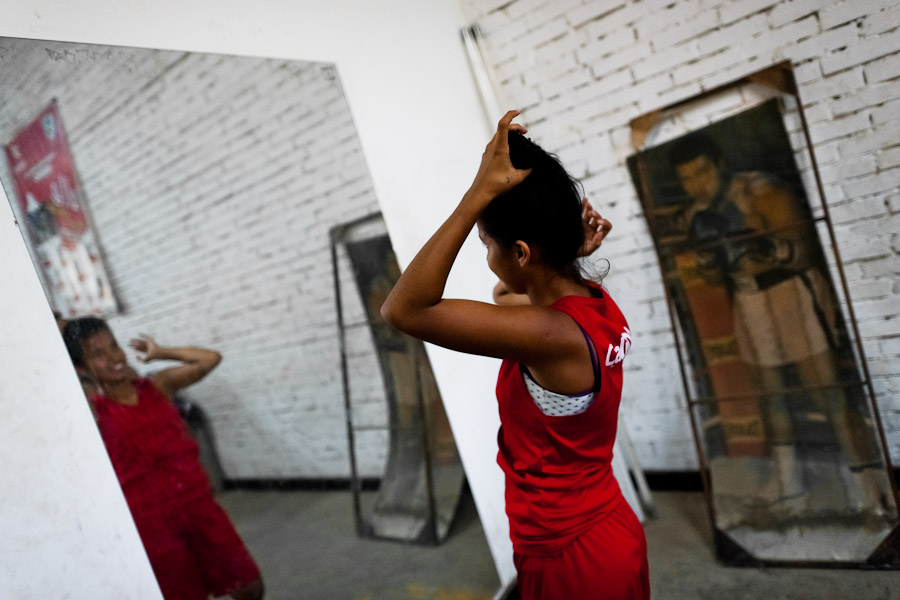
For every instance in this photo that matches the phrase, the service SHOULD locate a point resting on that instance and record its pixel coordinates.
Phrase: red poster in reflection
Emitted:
(49, 200)
(45, 175)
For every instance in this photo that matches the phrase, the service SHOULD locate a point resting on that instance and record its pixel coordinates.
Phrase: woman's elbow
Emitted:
(402, 318)
(391, 314)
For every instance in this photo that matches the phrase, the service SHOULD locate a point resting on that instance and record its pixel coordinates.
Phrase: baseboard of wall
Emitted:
(674, 481)
(660, 481)
(331, 483)
(683, 481)
(690, 481)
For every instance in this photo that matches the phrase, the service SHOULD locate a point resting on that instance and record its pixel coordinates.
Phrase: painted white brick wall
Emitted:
(583, 73)
(213, 182)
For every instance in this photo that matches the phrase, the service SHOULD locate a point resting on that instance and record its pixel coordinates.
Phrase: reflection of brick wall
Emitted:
(584, 69)
(213, 183)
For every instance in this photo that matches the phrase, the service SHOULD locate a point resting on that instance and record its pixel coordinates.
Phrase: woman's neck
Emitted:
(122, 392)
(547, 286)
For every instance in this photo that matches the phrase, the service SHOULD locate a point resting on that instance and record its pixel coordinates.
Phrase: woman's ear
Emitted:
(523, 253)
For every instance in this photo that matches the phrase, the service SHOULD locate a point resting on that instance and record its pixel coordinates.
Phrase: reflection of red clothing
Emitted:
(154, 456)
(562, 500)
(191, 544)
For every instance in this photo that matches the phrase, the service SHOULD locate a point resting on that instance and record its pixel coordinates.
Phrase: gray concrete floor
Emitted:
(307, 548)
(306, 545)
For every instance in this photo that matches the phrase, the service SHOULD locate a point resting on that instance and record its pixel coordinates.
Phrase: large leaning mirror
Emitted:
(200, 193)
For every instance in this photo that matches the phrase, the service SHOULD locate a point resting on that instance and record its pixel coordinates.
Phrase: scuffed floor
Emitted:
(306, 544)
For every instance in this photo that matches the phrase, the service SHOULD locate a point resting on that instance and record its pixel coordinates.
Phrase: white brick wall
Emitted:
(581, 75)
(213, 182)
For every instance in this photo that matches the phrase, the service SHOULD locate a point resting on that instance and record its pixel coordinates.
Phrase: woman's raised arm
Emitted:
(416, 304)
(196, 363)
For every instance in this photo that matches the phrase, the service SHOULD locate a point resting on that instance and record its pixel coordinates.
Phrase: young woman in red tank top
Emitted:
(192, 546)
(573, 534)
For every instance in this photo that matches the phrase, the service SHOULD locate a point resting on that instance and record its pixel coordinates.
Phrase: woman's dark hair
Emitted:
(543, 211)
(77, 331)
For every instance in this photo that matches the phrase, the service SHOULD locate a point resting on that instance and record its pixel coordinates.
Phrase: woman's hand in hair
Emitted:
(496, 174)
(596, 228)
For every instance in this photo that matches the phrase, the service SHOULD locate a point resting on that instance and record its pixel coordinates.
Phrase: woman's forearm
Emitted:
(187, 355)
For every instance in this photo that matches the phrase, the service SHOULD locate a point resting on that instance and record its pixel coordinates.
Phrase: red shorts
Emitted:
(195, 551)
(607, 561)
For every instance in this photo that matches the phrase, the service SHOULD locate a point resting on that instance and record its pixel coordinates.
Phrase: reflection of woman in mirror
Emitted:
(560, 384)
(192, 546)
(88, 384)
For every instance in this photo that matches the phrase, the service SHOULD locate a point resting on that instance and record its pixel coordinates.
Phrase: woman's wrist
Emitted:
(161, 353)
(476, 199)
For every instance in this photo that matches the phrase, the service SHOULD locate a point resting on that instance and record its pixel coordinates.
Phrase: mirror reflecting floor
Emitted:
(831, 516)
(683, 564)
(306, 545)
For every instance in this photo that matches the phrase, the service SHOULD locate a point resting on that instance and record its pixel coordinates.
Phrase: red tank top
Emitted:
(559, 479)
(151, 450)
